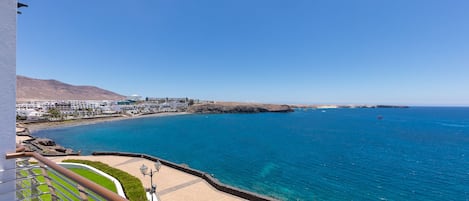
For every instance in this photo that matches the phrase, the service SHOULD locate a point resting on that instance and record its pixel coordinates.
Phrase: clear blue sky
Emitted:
(413, 52)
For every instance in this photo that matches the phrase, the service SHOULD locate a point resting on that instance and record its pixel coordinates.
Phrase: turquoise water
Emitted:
(335, 154)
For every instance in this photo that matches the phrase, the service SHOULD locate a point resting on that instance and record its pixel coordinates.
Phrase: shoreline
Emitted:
(205, 182)
(35, 127)
(28, 130)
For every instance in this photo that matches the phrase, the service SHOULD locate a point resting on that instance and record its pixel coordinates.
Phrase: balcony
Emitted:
(38, 178)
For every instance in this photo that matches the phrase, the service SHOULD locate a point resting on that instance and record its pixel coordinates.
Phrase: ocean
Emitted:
(418, 153)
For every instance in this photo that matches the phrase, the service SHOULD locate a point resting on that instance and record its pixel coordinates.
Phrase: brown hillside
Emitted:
(36, 89)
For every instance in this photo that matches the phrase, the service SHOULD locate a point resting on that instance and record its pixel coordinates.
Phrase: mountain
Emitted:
(28, 89)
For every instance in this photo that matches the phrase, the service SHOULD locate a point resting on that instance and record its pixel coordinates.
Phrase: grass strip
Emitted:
(133, 187)
(96, 178)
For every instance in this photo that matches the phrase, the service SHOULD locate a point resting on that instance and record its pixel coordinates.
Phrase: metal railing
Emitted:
(43, 179)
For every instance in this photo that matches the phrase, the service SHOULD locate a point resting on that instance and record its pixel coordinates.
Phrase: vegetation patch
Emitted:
(132, 186)
(96, 178)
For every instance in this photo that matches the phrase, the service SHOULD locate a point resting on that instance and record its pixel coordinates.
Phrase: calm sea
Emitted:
(335, 154)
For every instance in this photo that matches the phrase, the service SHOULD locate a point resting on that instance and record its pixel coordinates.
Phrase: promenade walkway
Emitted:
(172, 184)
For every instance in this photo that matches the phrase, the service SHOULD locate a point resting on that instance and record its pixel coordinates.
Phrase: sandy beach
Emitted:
(33, 127)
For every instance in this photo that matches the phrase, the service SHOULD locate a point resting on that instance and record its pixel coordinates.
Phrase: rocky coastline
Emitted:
(43, 146)
(48, 147)
(232, 107)
(317, 106)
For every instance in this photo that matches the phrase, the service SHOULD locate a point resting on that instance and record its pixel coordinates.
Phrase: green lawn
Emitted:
(132, 186)
(96, 178)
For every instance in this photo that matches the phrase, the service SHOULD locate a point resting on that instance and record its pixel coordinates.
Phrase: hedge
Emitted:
(133, 187)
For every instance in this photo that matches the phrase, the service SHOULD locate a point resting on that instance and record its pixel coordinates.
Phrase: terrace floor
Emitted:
(171, 184)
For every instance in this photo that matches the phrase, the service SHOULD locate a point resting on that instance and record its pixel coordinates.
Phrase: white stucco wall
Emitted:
(7, 96)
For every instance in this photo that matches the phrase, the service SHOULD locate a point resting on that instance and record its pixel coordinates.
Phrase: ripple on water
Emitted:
(411, 154)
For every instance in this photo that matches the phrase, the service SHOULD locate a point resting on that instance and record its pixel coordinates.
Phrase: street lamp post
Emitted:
(144, 170)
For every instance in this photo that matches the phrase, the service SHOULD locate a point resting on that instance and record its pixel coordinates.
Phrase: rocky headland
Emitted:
(316, 106)
(235, 107)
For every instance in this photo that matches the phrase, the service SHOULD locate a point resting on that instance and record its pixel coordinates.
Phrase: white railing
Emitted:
(43, 179)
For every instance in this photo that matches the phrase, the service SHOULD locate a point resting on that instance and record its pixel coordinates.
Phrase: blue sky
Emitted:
(413, 52)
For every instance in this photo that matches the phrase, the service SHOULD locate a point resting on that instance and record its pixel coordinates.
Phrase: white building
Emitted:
(134, 97)
(30, 114)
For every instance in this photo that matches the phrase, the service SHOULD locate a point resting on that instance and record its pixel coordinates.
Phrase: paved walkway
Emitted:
(172, 184)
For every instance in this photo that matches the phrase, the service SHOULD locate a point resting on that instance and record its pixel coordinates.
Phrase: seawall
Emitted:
(205, 176)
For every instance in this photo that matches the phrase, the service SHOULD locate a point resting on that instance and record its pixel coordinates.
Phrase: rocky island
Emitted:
(235, 107)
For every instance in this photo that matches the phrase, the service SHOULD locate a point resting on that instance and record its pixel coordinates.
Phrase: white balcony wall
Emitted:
(7, 96)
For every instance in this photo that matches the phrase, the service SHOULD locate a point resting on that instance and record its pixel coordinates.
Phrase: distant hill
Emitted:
(28, 89)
